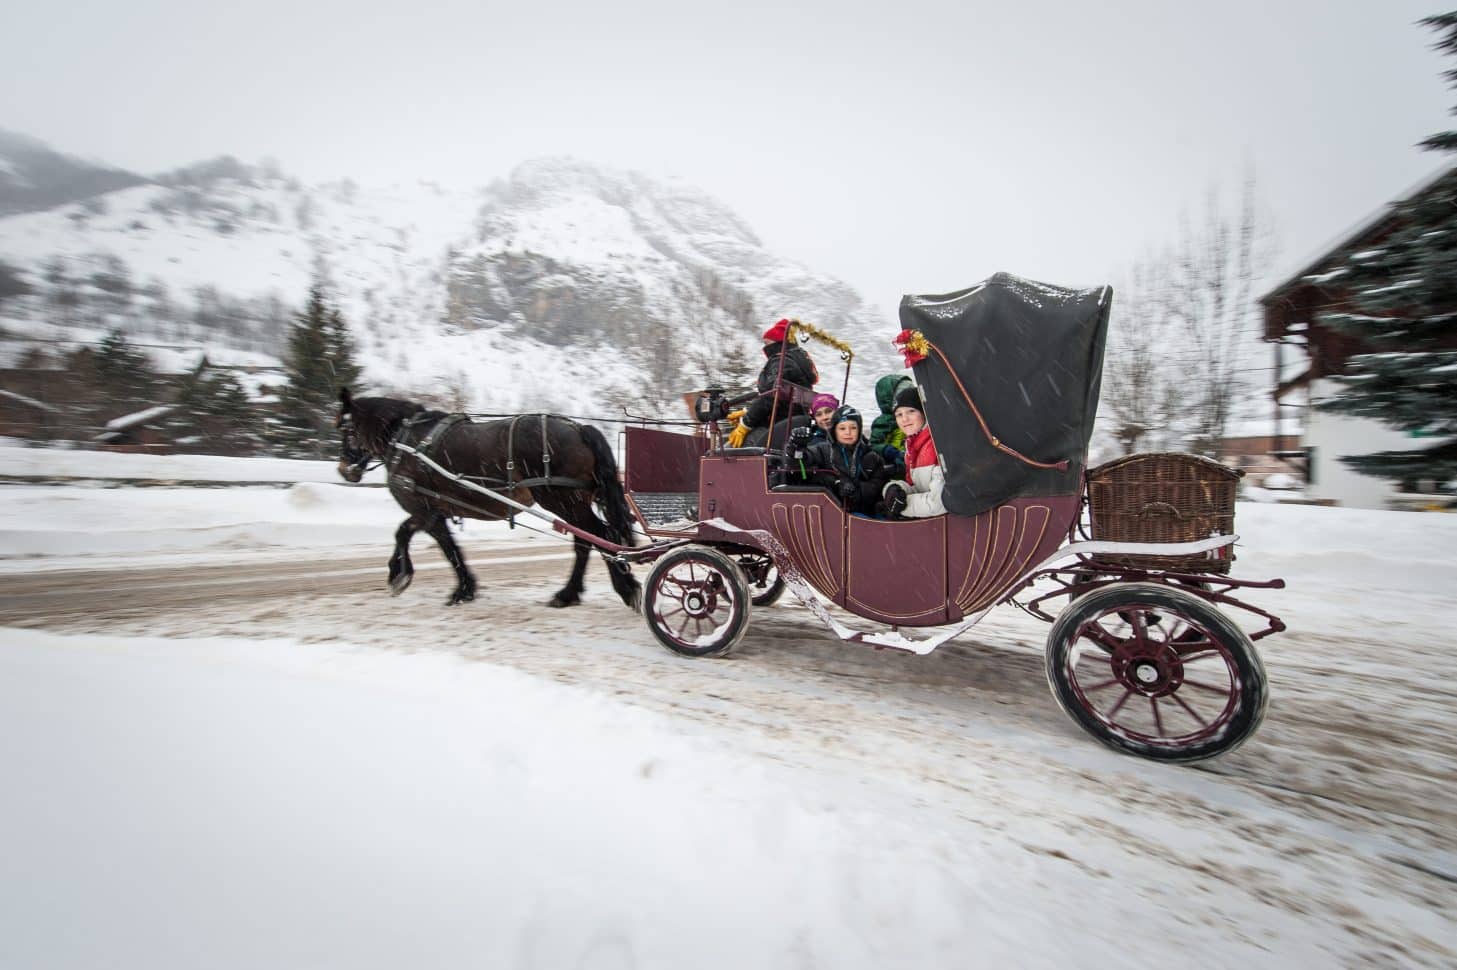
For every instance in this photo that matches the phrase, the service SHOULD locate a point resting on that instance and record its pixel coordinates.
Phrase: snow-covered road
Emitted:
(384, 780)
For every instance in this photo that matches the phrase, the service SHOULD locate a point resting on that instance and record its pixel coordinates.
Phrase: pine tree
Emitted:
(340, 353)
(124, 377)
(318, 361)
(1402, 306)
(214, 409)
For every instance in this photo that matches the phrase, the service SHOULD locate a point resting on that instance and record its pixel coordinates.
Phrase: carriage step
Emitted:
(662, 508)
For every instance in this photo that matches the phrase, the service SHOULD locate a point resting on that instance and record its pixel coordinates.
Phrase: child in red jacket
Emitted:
(919, 496)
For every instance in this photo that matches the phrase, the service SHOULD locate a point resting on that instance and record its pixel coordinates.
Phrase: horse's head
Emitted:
(353, 458)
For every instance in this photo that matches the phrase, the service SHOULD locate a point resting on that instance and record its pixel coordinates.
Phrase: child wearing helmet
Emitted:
(846, 460)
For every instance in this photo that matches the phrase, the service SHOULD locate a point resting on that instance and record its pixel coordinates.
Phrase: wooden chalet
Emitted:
(1306, 352)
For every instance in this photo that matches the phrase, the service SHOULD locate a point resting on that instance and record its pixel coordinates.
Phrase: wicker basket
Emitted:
(1163, 497)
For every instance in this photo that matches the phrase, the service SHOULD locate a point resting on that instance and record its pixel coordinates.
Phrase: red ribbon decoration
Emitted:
(912, 346)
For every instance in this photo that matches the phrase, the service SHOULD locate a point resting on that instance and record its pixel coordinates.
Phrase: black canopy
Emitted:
(1030, 358)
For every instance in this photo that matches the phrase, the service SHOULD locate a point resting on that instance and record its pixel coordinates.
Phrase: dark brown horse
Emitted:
(533, 459)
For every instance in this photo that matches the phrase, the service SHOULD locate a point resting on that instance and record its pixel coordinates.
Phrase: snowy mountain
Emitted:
(565, 285)
(32, 176)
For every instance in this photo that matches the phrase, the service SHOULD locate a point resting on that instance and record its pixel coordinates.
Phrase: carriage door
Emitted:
(896, 571)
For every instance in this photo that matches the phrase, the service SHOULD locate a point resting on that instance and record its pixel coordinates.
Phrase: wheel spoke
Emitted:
(1185, 705)
(1209, 687)
(1101, 684)
(1212, 651)
(1158, 721)
(1139, 623)
(1121, 701)
(1101, 637)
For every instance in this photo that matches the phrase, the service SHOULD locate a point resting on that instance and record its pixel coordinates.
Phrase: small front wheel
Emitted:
(765, 583)
(696, 601)
(1156, 671)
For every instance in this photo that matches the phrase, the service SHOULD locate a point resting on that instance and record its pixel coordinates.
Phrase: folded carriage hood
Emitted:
(1030, 357)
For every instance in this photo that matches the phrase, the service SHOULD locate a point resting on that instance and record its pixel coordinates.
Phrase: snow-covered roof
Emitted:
(1358, 232)
(1262, 428)
(27, 400)
(139, 417)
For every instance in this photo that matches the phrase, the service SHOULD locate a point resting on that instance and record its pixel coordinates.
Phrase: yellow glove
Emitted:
(736, 437)
(735, 415)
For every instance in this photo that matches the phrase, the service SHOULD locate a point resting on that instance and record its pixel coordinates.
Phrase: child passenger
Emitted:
(823, 410)
(859, 473)
(885, 437)
(919, 496)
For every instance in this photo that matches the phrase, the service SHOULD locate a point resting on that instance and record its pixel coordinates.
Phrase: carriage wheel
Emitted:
(765, 583)
(1156, 671)
(697, 602)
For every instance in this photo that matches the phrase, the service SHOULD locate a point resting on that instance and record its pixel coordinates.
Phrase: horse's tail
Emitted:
(609, 490)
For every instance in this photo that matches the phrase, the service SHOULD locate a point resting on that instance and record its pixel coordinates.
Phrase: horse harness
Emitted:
(439, 428)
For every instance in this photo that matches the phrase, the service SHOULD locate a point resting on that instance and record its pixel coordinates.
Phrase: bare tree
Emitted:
(1208, 297)
(1140, 383)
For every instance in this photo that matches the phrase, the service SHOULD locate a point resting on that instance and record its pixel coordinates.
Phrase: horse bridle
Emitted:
(350, 454)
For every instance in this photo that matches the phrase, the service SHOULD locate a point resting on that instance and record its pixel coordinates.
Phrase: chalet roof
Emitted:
(139, 417)
(1370, 226)
(30, 401)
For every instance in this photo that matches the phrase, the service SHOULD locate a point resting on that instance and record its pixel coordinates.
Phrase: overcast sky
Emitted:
(905, 146)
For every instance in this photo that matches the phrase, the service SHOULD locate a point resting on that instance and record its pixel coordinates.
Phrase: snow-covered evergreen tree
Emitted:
(214, 410)
(319, 361)
(1402, 306)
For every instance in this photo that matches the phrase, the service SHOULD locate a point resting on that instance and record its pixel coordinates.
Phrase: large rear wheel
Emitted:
(696, 601)
(1156, 671)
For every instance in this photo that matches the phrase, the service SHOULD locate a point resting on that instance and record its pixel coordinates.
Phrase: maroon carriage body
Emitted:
(1008, 374)
(912, 572)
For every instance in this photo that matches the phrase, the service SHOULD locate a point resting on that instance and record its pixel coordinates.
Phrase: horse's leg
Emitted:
(402, 570)
(624, 582)
(581, 515)
(465, 589)
(571, 593)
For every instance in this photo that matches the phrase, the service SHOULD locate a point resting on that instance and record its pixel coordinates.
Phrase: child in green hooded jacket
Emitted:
(885, 437)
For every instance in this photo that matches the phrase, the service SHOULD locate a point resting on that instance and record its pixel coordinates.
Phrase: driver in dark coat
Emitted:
(799, 369)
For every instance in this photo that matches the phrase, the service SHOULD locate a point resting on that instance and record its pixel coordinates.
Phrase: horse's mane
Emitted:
(377, 418)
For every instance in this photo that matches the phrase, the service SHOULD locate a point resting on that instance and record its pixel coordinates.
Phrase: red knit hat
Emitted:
(778, 332)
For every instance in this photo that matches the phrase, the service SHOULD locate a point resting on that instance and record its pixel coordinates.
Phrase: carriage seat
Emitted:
(807, 488)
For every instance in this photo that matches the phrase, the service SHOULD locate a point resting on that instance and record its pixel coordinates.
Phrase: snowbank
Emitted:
(56, 463)
(227, 803)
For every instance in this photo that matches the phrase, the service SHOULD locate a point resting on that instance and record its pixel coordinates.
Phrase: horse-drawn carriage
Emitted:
(1140, 656)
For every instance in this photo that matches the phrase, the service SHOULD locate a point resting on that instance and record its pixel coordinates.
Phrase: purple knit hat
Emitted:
(824, 401)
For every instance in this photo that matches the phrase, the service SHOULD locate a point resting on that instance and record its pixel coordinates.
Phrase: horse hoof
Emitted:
(401, 583)
(559, 601)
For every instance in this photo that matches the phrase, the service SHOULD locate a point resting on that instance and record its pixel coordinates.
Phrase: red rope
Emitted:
(996, 442)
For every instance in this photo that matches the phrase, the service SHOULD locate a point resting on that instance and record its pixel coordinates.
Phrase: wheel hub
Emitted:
(700, 601)
(1153, 670)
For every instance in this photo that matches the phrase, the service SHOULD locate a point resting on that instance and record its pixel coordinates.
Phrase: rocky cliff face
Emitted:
(564, 285)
